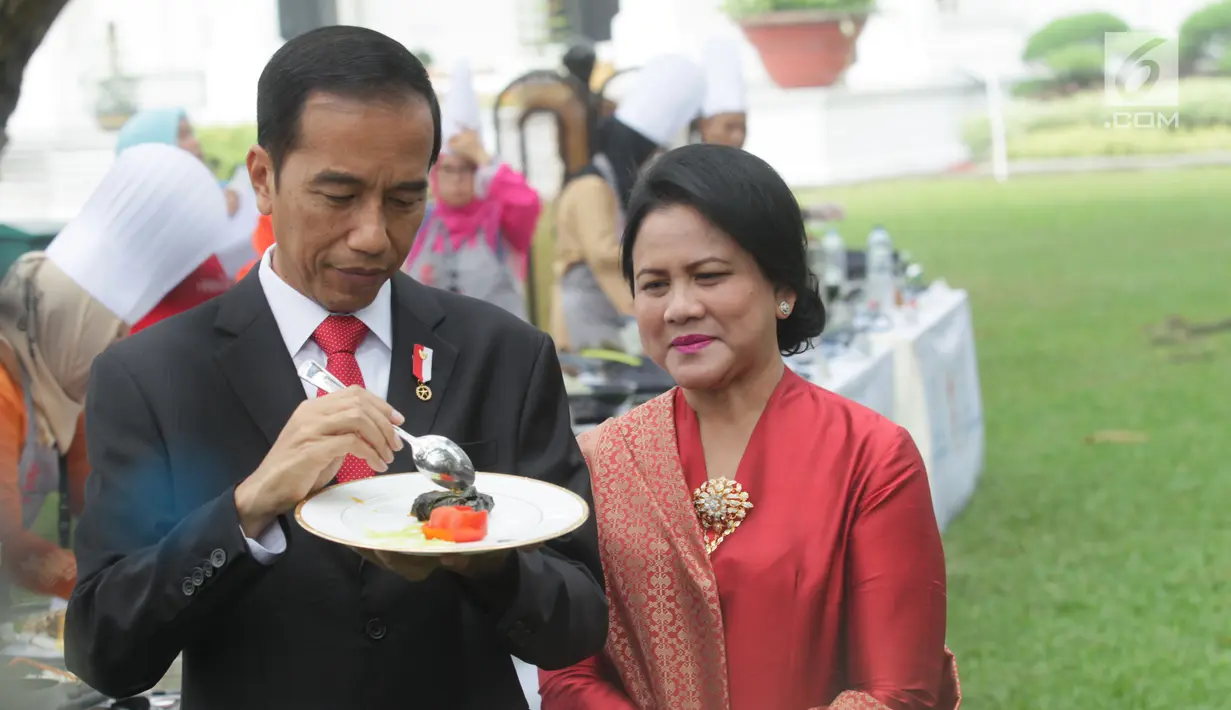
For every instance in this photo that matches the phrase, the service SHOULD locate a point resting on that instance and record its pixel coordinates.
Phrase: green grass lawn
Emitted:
(1086, 576)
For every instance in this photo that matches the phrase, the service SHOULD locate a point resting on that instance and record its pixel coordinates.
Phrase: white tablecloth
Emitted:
(937, 396)
(924, 376)
(866, 379)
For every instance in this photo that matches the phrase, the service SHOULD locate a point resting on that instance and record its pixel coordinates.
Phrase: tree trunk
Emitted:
(23, 24)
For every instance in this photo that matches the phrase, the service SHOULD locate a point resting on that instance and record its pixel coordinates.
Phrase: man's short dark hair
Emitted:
(353, 62)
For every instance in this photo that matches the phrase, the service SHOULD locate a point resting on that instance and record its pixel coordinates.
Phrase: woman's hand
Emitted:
(468, 145)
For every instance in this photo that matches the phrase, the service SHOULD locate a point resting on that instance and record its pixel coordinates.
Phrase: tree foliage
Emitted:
(1061, 33)
(1205, 37)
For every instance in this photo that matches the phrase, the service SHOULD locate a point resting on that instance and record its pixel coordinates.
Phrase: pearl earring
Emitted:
(785, 308)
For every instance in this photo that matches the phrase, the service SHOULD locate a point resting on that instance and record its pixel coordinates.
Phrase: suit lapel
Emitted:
(257, 365)
(416, 313)
(255, 361)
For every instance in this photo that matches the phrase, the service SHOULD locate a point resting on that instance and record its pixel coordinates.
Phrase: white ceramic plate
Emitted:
(374, 514)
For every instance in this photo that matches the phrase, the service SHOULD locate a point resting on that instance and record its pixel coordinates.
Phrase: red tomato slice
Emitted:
(444, 518)
(456, 524)
(468, 535)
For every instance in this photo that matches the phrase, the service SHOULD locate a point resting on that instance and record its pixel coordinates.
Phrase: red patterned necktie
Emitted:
(338, 336)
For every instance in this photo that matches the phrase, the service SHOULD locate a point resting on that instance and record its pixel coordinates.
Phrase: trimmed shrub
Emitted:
(1204, 39)
(1087, 28)
(1077, 126)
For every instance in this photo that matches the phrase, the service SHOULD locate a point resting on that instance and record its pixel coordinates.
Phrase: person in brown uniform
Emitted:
(592, 302)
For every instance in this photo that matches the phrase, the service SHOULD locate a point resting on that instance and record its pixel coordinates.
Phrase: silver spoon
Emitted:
(435, 456)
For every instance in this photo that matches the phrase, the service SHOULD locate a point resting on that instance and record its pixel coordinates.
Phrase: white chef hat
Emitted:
(724, 78)
(666, 94)
(461, 105)
(156, 215)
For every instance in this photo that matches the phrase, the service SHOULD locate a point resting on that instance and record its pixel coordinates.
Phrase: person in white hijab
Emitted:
(155, 216)
(724, 114)
(592, 303)
(171, 126)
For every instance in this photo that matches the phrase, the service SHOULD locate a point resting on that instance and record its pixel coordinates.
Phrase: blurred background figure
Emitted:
(593, 303)
(51, 329)
(155, 214)
(481, 222)
(724, 115)
(262, 239)
(170, 126)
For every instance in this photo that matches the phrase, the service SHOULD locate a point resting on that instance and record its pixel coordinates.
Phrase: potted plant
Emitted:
(803, 43)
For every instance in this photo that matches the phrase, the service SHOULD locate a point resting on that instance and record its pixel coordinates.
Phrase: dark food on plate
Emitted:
(469, 498)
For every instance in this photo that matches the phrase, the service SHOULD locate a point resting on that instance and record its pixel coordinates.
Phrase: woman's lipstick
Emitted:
(688, 344)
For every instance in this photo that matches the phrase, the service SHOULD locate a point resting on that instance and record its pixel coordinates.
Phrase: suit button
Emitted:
(207, 568)
(376, 629)
(188, 588)
(198, 576)
(218, 558)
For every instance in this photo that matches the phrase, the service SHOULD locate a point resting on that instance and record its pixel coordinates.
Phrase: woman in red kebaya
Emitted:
(768, 545)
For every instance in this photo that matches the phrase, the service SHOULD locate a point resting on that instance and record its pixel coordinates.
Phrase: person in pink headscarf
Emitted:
(476, 236)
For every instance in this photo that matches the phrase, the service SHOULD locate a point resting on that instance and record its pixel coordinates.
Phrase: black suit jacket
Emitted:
(180, 413)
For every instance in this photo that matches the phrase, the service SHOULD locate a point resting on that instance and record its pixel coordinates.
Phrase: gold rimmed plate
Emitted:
(374, 514)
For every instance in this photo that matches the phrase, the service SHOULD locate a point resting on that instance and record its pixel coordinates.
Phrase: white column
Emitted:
(352, 12)
(646, 28)
(995, 114)
(895, 48)
(56, 98)
(243, 35)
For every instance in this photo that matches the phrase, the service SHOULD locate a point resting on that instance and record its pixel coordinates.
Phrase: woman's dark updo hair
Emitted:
(744, 197)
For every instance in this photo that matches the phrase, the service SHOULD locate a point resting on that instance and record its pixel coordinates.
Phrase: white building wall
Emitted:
(913, 61)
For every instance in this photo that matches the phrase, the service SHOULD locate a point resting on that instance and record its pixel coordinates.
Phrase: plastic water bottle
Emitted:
(834, 249)
(881, 281)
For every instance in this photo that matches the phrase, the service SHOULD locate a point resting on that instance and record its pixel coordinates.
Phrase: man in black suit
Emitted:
(202, 439)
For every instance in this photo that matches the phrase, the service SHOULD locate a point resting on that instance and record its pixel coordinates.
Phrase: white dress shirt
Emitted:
(297, 317)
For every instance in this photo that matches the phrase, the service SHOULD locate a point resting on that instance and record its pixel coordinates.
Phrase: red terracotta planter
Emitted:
(804, 48)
